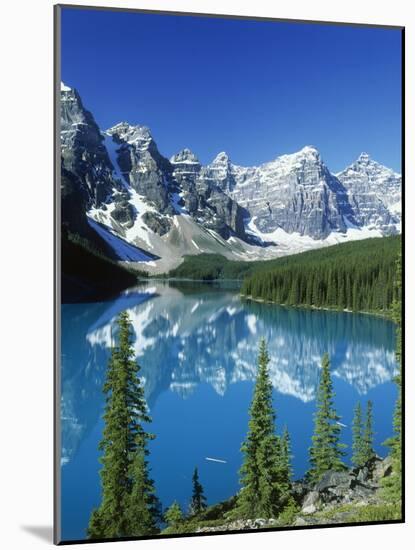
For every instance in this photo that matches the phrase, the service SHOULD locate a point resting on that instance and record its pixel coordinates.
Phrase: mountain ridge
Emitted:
(175, 207)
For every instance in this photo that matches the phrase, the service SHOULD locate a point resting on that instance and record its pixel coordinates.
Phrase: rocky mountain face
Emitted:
(207, 202)
(296, 193)
(119, 180)
(83, 152)
(142, 166)
(374, 193)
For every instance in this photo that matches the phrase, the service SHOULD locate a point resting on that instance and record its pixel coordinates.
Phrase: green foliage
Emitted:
(87, 274)
(284, 457)
(357, 430)
(368, 451)
(173, 515)
(215, 266)
(392, 485)
(375, 512)
(96, 525)
(198, 501)
(128, 505)
(142, 506)
(264, 476)
(191, 525)
(362, 436)
(357, 276)
(209, 267)
(219, 510)
(326, 451)
(289, 514)
(350, 513)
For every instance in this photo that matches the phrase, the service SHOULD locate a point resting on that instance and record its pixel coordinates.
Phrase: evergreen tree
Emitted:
(261, 495)
(142, 506)
(326, 451)
(198, 502)
(124, 474)
(356, 276)
(357, 430)
(286, 456)
(284, 470)
(368, 451)
(173, 515)
(392, 485)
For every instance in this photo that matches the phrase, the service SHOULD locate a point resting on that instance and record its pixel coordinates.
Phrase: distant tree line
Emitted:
(360, 278)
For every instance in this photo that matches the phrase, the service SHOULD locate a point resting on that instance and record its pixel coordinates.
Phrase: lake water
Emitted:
(197, 346)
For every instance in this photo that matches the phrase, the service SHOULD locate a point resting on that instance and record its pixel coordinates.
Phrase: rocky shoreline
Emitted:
(333, 500)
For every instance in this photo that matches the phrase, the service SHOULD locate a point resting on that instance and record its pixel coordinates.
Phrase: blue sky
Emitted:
(255, 89)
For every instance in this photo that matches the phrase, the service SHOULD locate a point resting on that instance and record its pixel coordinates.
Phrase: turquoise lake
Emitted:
(197, 346)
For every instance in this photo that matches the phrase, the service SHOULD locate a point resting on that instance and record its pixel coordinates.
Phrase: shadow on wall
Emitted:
(43, 532)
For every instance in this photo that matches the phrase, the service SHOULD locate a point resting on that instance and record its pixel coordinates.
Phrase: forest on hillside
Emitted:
(356, 276)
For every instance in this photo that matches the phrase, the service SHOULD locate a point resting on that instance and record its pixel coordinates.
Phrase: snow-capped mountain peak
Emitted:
(65, 88)
(375, 193)
(375, 171)
(221, 158)
(363, 158)
(306, 154)
(309, 150)
(174, 207)
(184, 156)
(139, 136)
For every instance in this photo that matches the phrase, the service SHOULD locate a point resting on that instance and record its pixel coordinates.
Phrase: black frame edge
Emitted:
(403, 232)
(227, 16)
(56, 276)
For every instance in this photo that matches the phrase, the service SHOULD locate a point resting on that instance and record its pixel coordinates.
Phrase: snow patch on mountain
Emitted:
(125, 251)
(295, 242)
(134, 197)
(374, 192)
(112, 148)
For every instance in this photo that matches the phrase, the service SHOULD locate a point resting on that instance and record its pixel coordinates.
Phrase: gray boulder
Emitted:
(334, 479)
(383, 468)
(311, 503)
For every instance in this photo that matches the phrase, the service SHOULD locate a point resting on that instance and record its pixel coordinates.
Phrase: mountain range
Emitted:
(137, 206)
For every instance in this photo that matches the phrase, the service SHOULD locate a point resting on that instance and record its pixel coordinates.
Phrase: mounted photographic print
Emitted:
(228, 274)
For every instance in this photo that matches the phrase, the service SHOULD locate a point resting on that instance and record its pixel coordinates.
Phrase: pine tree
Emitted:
(284, 469)
(285, 443)
(355, 276)
(173, 515)
(357, 430)
(142, 506)
(123, 446)
(392, 485)
(326, 451)
(198, 502)
(261, 495)
(368, 451)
